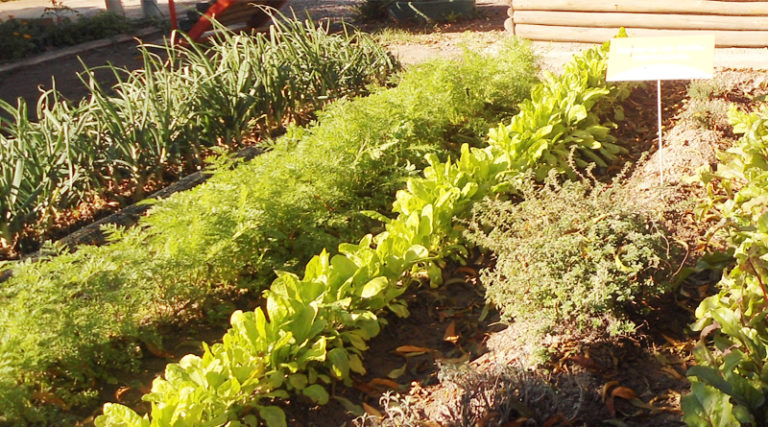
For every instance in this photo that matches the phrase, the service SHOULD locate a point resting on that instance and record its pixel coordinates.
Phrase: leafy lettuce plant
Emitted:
(564, 112)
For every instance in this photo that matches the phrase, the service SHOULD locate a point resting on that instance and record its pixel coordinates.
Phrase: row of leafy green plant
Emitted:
(729, 385)
(313, 329)
(72, 321)
(166, 116)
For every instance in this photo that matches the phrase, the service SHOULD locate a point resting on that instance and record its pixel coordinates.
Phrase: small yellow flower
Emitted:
(16, 33)
(27, 36)
(24, 23)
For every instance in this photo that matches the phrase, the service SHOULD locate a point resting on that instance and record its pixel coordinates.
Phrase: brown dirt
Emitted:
(447, 40)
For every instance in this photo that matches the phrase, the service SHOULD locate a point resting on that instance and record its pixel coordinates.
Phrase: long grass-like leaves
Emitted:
(186, 98)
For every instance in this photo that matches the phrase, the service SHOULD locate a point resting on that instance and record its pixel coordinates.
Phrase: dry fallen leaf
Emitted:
(466, 270)
(672, 372)
(624, 393)
(412, 350)
(585, 362)
(376, 382)
(50, 398)
(367, 388)
(120, 392)
(607, 387)
(450, 333)
(157, 351)
(557, 420)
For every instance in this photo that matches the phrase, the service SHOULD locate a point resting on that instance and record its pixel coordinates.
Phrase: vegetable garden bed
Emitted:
(197, 248)
(306, 306)
(168, 117)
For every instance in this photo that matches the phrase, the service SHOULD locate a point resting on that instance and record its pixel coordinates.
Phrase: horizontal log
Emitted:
(699, 7)
(641, 20)
(723, 38)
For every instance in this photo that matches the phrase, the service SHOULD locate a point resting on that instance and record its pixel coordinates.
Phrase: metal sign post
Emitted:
(661, 151)
(661, 58)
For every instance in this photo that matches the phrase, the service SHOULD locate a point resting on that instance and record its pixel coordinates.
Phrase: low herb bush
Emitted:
(165, 117)
(730, 383)
(313, 328)
(71, 319)
(570, 254)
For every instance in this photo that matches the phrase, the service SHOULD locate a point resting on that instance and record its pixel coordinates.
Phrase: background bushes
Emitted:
(26, 37)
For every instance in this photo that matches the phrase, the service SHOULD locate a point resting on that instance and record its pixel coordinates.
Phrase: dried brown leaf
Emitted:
(624, 393)
(450, 333)
(377, 382)
(409, 350)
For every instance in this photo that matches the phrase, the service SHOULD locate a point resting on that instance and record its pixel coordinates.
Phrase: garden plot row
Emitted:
(313, 329)
(69, 322)
(734, 24)
(169, 116)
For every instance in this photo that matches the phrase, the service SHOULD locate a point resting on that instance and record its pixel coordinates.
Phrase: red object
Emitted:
(172, 12)
(204, 23)
(218, 8)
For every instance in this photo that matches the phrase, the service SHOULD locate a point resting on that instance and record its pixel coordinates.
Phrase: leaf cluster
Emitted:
(730, 383)
(576, 109)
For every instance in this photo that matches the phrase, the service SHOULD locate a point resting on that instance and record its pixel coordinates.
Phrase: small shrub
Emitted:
(570, 253)
(26, 37)
(704, 89)
(373, 10)
(706, 108)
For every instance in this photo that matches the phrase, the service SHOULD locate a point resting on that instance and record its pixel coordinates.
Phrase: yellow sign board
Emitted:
(661, 58)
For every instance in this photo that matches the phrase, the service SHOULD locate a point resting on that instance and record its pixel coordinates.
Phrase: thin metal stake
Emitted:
(661, 158)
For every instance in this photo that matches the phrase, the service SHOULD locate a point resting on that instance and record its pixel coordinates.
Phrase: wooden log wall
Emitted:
(734, 24)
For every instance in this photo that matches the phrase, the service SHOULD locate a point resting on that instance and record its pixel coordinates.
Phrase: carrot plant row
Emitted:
(166, 116)
(314, 328)
(71, 322)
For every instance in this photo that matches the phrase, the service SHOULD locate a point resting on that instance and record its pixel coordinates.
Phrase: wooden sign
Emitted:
(661, 58)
